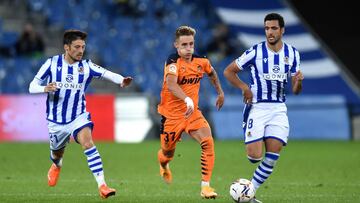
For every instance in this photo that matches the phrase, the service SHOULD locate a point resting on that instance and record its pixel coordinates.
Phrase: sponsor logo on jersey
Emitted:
(276, 69)
(68, 85)
(69, 78)
(172, 68)
(275, 76)
(193, 80)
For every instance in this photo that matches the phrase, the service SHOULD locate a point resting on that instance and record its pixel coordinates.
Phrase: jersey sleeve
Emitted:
(96, 71)
(44, 71)
(207, 66)
(296, 63)
(170, 65)
(246, 60)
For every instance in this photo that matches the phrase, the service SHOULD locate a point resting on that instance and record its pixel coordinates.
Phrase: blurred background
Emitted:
(134, 37)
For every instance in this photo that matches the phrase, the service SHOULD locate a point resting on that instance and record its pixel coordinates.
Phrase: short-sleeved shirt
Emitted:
(269, 70)
(189, 75)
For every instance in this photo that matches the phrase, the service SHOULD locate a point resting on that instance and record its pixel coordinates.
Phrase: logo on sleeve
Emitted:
(172, 68)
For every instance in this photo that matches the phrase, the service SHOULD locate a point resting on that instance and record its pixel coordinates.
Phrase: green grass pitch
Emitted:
(308, 171)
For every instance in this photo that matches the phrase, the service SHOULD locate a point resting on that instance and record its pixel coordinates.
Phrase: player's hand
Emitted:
(248, 96)
(299, 76)
(126, 82)
(51, 87)
(220, 101)
(189, 107)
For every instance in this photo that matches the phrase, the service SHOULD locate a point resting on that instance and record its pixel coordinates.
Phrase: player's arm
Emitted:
(36, 87)
(100, 72)
(214, 79)
(296, 75)
(230, 73)
(117, 78)
(296, 82)
(174, 88)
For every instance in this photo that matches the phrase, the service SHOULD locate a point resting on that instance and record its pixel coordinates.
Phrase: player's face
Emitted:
(273, 31)
(185, 46)
(75, 50)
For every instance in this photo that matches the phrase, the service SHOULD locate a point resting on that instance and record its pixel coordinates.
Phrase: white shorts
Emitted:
(266, 120)
(59, 135)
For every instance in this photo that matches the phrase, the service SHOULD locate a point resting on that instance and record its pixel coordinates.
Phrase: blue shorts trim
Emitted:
(254, 140)
(276, 138)
(91, 125)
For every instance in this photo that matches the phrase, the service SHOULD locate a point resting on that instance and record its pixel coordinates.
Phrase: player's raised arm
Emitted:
(214, 79)
(230, 73)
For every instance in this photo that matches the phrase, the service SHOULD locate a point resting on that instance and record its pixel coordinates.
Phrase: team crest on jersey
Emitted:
(69, 78)
(199, 68)
(183, 69)
(286, 60)
(81, 70)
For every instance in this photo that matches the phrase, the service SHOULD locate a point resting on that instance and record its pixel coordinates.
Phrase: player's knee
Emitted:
(254, 159)
(87, 145)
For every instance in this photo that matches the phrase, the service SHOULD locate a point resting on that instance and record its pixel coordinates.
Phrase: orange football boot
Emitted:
(208, 192)
(105, 191)
(165, 173)
(53, 175)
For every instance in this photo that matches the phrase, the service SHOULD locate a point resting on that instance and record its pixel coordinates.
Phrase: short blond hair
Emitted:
(184, 30)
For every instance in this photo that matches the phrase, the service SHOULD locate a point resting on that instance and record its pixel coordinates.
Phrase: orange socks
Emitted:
(163, 160)
(207, 158)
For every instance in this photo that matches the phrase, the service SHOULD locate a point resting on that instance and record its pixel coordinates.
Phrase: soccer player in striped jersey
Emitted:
(179, 108)
(65, 78)
(265, 114)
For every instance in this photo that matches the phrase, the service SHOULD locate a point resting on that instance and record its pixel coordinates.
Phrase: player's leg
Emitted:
(58, 137)
(170, 134)
(275, 138)
(199, 129)
(84, 138)
(204, 137)
(55, 168)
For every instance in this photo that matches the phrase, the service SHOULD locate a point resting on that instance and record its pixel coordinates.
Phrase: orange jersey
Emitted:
(189, 76)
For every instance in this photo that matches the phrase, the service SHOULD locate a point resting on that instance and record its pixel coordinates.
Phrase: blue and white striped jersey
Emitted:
(68, 102)
(269, 70)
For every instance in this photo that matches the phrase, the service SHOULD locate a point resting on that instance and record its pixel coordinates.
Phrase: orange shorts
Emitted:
(171, 129)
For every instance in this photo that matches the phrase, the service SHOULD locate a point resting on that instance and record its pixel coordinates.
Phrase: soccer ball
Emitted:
(242, 190)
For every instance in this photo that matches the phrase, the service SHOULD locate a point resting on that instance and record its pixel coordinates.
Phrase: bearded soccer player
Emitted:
(265, 115)
(66, 77)
(179, 108)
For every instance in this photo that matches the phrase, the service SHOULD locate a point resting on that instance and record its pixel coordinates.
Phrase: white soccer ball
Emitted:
(242, 190)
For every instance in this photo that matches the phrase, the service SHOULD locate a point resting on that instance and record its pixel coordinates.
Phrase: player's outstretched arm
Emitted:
(117, 78)
(230, 73)
(296, 82)
(214, 79)
(126, 82)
